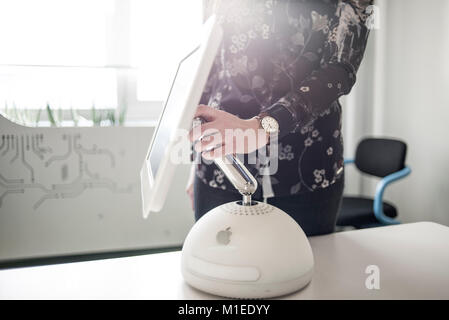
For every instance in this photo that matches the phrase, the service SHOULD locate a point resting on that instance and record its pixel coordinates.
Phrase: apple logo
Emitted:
(224, 236)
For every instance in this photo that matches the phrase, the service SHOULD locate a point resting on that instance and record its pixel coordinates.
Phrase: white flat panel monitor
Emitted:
(184, 96)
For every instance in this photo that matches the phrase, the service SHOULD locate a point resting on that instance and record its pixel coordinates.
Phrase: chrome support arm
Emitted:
(239, 175)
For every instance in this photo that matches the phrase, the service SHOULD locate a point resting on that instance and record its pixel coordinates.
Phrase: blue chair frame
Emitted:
(380, 189)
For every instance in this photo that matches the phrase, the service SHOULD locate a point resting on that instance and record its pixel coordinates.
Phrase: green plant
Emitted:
(122, 115)
(110, 115)
(51, 116)
(96, 116)
(37, 117)
(75, 117)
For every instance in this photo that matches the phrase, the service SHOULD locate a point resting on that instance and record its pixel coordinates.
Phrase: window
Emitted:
(106, 53)
(160, 38)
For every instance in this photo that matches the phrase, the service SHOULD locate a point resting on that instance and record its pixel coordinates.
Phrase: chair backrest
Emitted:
(380, 157)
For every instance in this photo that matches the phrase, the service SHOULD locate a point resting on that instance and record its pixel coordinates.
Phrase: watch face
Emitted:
(270, 124)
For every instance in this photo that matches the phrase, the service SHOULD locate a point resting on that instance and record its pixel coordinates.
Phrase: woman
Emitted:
(284, 63)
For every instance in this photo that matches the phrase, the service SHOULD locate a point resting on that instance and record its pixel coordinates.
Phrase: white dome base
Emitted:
(251, 252)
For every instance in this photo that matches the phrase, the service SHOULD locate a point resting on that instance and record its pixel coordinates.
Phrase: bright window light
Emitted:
(61, 88)
(53, 52)
(79, 53)
(162, 32)
(53, 32)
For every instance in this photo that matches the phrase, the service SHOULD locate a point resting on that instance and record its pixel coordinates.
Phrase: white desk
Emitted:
(413, 260)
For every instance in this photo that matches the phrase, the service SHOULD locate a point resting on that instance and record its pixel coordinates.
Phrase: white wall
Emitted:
(357, 116)
(411, 102)
(417, 103)
(76, 190)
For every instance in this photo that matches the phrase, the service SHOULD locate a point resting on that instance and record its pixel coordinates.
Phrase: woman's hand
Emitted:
(225, 133)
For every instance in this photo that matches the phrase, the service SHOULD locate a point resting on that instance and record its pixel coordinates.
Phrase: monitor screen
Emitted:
(176, 98)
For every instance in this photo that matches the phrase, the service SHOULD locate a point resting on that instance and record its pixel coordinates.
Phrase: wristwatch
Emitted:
(268, 123)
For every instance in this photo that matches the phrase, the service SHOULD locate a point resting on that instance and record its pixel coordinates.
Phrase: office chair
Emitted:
(383, 158)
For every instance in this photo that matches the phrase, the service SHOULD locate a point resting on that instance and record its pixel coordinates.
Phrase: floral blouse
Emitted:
(291, 59)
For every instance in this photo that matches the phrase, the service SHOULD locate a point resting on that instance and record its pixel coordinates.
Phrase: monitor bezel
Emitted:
(154, 189)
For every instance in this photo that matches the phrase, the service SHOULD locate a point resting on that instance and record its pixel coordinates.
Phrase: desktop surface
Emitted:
(412, 260)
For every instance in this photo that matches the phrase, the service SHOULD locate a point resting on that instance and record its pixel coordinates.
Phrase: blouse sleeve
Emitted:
(343, 50)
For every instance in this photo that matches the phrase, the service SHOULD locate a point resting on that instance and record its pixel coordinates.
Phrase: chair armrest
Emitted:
(378, 199)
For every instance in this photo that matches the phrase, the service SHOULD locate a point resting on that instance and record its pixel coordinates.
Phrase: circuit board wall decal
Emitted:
(85, 179)
(73, 190)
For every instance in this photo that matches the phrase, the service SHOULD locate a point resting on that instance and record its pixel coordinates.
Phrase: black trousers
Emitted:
(316, 212)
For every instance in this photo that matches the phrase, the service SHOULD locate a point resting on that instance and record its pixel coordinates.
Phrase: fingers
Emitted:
(206, 112)
(208, 142)
(214, 120)
(218, 152)
(203, 131)
(208, 137)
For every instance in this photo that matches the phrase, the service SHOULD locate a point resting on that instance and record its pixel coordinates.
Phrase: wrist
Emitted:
(262, 136)
(268, 123)
(254, 124)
